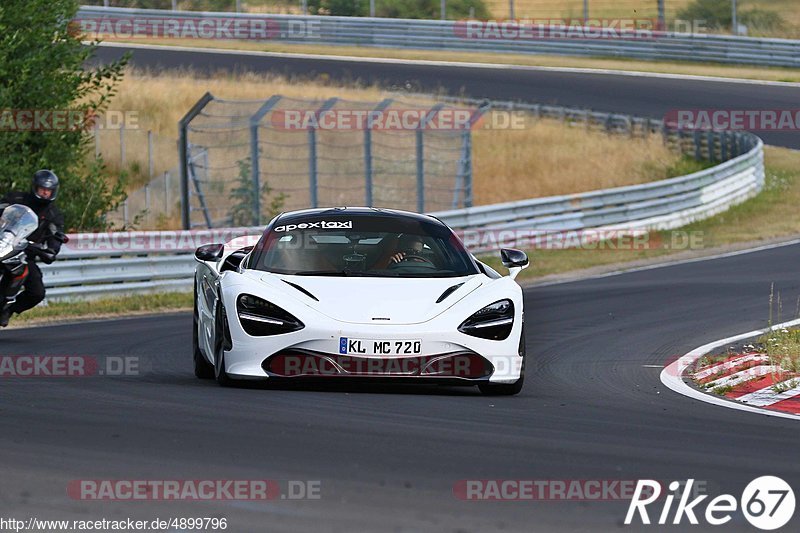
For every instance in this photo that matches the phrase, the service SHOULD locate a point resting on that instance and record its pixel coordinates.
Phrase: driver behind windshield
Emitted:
(409, 248)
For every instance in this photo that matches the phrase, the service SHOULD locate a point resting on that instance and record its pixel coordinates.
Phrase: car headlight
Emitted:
(260, 318)
(493, 322)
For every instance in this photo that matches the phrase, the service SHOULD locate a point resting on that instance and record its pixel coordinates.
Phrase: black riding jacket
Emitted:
(50, 218)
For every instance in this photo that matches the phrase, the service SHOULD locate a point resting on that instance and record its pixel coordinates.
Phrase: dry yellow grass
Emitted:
(543, 157)
(548, 158)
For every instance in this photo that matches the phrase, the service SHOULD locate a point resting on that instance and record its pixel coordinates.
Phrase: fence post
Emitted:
(150, 154)
(96, 140)
(166, 193)
(712, 146)
(465, 166)
(183, 151)
(255, 157)
(122, 146)
(430, 115)
(312, 167)
(698, 148)
(723, 145)
(368, 152)
(147, 200)
(313, 183)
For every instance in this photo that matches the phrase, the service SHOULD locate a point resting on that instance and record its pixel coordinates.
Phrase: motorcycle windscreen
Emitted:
(16, 224)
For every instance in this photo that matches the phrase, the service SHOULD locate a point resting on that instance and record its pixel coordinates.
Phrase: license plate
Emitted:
(350, 346)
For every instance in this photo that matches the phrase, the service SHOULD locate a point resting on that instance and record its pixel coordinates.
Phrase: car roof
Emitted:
(292, 216)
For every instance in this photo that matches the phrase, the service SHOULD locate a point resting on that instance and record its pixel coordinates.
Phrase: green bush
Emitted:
(431, 9)
(42, 65)
(406, 9)
(718, 14)
(762, 20)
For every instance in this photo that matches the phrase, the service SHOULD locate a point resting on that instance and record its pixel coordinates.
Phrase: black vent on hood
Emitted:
(448, 292)
(301, 289)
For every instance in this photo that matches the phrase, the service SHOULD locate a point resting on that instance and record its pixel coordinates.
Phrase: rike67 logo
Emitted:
(767, 503)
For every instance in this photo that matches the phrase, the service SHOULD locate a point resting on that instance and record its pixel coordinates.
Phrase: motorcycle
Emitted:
(17, 223)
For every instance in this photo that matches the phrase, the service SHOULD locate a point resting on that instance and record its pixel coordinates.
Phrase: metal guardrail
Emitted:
(117, 263)
(460, 36)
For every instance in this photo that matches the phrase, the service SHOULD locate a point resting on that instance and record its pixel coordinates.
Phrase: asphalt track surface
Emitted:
(593, 408)
(644, 96)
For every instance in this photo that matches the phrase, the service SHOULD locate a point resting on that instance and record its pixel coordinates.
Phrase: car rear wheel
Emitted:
(202, 368)
(508, 389)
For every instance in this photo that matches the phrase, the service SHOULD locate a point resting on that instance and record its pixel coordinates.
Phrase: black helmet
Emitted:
(45, 179)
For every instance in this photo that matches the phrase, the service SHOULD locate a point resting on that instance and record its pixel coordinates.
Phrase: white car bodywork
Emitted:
(335, 311)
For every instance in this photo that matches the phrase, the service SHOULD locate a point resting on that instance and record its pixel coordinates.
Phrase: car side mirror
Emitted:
(514, 260)
(209, 252)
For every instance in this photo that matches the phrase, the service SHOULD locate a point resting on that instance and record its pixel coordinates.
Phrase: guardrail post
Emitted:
(255, 158)
(183, 151)
(368, 152)
(430, 115)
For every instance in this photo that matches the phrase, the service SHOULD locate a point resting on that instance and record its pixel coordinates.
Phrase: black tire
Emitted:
(508, 389)
(219, 348)
(202, 368)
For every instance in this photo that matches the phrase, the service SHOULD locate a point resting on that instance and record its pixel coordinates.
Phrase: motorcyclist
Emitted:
(41, 199)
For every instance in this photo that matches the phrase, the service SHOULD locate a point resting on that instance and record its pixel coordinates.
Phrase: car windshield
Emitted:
(362, 245)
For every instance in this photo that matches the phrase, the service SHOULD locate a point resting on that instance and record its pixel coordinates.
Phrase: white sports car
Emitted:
(358, 293)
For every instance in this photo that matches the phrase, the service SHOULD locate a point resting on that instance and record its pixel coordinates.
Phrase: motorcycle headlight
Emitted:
(261, 318)
(493, 322)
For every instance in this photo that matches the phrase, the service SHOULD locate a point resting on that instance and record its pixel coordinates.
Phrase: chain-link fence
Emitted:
(243, 161)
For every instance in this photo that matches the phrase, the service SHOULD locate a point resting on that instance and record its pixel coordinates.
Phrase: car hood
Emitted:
(391, 301)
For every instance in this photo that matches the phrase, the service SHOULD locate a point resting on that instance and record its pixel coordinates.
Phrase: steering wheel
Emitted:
(415, 259)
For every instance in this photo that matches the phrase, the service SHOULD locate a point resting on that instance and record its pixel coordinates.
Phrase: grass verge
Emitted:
(105, 308)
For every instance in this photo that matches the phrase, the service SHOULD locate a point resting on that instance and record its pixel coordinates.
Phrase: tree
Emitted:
(42, 65)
